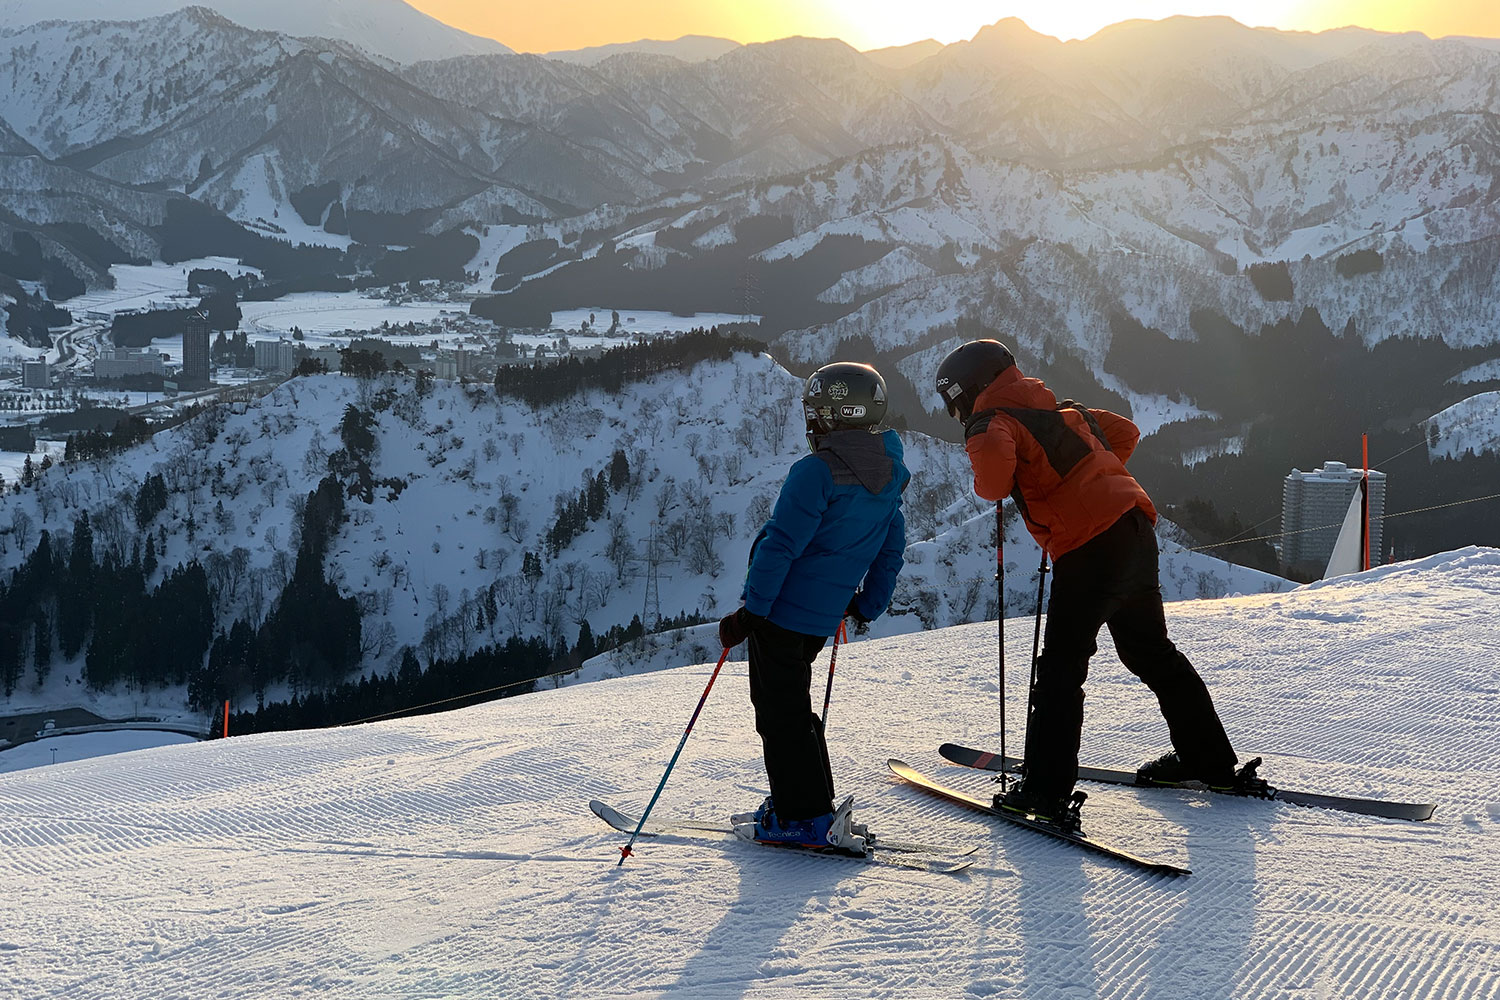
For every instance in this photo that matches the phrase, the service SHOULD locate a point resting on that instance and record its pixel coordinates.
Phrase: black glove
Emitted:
(852, 611)
(736, 628)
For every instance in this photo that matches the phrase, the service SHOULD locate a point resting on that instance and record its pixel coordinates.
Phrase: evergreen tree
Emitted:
(75, 590)
(619, 471)
(42, 653)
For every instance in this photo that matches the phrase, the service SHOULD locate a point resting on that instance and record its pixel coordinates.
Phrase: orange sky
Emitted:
(566, 24)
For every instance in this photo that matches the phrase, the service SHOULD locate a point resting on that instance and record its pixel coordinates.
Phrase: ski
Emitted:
(906, 772)
(941, 860)
(1415, 811)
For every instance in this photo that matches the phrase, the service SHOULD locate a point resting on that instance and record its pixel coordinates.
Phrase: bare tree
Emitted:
(758, 512)
(734, 466)
(619, 550)
(508, 517)
(550, 604)
(20, 526)
(708, 468)
(702, 553)
(665, 497)
(584, 600)
(601, 586)
(466, 609)
(46, 500)
(675, 535)
(746, 433)
(516, 598)
(774, 419)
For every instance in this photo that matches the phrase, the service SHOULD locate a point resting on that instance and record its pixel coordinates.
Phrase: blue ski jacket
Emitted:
(837, 523)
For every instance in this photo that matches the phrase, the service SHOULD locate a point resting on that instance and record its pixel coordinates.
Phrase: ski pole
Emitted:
(625, 851)
(838, 637)
(1000, 586)
(1036, 638)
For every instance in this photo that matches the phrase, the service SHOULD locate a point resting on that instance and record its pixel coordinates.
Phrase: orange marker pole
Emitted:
(226, 718)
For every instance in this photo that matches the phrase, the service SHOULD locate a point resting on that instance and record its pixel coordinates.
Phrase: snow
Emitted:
(338, 312)
(421, 561)
(390, 28)
(150, 286)
(633, 321)
(1469, 426)
(85, 746)
(453, 855)
(12, 462)
(260, 200)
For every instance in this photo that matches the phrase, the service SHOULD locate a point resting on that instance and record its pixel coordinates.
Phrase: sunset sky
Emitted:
(566, 24)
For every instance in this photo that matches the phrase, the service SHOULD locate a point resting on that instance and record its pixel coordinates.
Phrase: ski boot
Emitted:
(1065, 812)
(1170, 771)
(740, 819)
(772, 829)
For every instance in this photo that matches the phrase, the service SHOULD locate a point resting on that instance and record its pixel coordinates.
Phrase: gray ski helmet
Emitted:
(968, 371)
(843, 395)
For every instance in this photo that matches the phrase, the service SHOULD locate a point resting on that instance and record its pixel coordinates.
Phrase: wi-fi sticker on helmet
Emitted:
(853, 410)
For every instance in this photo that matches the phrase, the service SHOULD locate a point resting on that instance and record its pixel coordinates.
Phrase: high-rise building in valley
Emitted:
(195, 349)
(1319, 500)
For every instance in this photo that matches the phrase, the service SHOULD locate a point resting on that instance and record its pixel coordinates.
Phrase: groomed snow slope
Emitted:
(454, 856)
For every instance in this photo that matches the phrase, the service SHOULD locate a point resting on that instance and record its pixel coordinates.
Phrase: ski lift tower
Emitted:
(651, 607)
(748, 289)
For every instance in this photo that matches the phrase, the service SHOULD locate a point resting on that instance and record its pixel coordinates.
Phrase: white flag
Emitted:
(1349, 548)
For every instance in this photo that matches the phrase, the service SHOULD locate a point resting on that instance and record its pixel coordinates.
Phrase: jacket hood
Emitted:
(1011, 388)
(857, 456)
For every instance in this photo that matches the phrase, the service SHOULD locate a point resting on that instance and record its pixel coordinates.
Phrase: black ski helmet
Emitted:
(843, 395)
(968, 371)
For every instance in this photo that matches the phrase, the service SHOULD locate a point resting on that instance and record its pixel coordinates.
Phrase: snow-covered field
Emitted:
(337, 312)
(85, 746)
(634, 321)
(454, 856)
(150, 286)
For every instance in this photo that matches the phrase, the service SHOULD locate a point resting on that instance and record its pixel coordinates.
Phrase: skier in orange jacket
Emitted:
(1064, 465)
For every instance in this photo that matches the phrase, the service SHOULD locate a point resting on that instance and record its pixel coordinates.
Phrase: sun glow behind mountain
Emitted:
(867, 24)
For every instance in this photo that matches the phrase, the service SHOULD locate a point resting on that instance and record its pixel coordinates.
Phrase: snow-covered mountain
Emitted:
(391, 29)
(688, 48)
(246, 120)
(454, 854)
(469, 483)
(1145, 213)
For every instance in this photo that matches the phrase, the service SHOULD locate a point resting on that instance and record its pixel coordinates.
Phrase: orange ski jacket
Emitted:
(1063, 465)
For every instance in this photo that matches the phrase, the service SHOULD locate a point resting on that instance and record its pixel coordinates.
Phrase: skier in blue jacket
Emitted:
(832, 549)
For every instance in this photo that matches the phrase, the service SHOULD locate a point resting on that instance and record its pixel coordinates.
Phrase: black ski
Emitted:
(919, 857)
(908, 773)
(1415, 811)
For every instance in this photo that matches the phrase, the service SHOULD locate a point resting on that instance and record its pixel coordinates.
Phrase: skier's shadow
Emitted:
(738, 953)
(1056, 936)
(1202, 949)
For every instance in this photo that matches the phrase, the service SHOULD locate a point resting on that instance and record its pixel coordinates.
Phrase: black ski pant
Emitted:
(1112, 580)
(790, 733)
